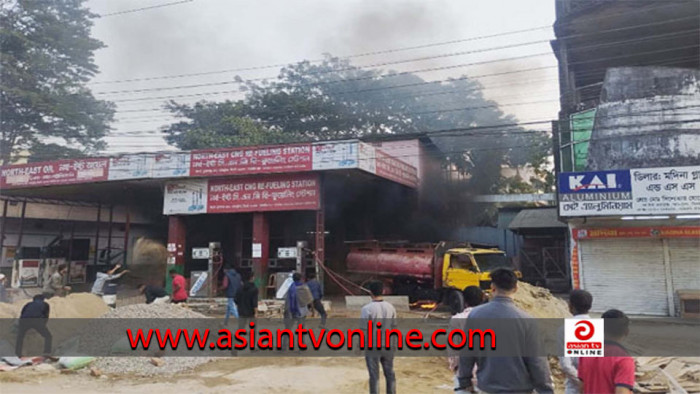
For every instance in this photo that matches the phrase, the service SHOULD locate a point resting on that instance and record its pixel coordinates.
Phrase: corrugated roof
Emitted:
(536, 218)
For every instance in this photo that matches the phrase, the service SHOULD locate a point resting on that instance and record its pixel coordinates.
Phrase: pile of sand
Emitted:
(76, 305)
(540, 303)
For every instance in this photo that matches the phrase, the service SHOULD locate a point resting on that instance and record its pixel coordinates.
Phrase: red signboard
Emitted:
(271, 193)
(392, 168)
(55, 173)
(637, 232)
(253, 160)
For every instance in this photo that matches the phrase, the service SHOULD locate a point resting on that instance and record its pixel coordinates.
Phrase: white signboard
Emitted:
(185, 197)
(130, 167)
(257, 250)
(171, 165)
(641, 191)
(367, 156)
(200, 253)
(287, 253)
(335, 155)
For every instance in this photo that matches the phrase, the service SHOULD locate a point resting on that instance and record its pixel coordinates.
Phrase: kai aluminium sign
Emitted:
(643, 191)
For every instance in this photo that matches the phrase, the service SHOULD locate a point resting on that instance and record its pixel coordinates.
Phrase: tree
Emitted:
(334, 100)
(47, 58)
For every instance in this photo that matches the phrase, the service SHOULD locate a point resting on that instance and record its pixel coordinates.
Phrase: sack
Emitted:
(304, 295)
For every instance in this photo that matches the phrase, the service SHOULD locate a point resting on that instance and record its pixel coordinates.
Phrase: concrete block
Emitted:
(357, 302)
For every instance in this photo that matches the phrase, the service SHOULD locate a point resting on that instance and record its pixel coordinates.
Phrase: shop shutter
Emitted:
(625, 274)
(685, 266)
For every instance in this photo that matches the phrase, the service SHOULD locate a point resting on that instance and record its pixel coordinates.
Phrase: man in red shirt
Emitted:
(179, 287)
(613, 373)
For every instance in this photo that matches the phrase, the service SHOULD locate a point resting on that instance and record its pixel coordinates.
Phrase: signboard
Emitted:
(171, 165)
(287, 253)
(271, 193)
(185, 197)
(28, 273)
(256, 253)
(54, 173)
(367, 158)
(396, 170)
(636, 232)
(335, 155)
(77, 272)
(253, 160)
(130, 167)
(644, 191)
(200, 253)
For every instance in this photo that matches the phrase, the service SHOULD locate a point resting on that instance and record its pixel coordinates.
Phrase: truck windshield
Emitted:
(489, 262)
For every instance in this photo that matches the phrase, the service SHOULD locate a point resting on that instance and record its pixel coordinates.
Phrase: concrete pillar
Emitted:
(261, 239)
(176, 247)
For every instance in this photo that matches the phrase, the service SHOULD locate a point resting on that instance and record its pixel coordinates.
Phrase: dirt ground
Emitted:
(250, 375)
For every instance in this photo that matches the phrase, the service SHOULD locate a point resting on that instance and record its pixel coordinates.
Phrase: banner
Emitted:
(171, 165)
(253, 160)
(185, 197)
(54, 173)
(396, 170)
(335, 155)
(130, 167)
(636, 232)
(367, 157)
(644, 191)
(272, 193)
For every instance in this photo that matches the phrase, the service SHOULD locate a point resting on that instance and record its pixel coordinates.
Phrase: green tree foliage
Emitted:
(335, 100)
(47, 58)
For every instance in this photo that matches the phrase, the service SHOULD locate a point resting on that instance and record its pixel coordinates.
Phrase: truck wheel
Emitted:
(455, 301)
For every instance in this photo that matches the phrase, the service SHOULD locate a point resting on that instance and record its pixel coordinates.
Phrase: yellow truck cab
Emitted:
(464, 267)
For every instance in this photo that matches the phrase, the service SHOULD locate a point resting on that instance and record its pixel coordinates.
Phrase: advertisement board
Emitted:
(185, 197)
(396, 170)
(335, 155)
(644, 191)
(130, 167)
(367, 158)
(270, 193)
(171, 165)
(252, 160)
(54, 173)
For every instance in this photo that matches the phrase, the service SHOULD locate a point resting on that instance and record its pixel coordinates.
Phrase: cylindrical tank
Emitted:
(415, 262)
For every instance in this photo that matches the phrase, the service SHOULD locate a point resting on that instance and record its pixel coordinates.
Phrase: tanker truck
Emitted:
(427, 271)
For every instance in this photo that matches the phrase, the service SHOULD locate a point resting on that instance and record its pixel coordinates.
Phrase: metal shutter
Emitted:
(685, 265)
(625, 274)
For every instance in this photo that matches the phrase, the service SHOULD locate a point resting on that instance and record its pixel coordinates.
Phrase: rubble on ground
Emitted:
(145, 366)
(540, 303)
(667, 375)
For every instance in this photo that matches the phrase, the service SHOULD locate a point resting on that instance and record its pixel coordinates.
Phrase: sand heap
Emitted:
(540, 303)
(73, 306)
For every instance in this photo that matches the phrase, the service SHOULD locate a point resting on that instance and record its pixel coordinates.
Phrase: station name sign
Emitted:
(641, 191)
(282, 192)
(273, 159)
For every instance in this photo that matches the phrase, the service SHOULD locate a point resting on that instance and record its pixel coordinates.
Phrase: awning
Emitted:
(536, 218)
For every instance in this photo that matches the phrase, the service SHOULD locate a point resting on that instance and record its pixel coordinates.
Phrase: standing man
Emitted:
(519, 374)
(179, 287)
(298, 299)
(34, 315)
(613, 373)
(54, 286)
(3, 291)
(580, 302)
(379, 310)
(232, 284)
(247, 300)
(103, 277)
(317, 293)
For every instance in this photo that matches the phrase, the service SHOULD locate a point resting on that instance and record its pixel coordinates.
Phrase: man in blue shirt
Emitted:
(317, 292)
(232, 283)
(34, 315)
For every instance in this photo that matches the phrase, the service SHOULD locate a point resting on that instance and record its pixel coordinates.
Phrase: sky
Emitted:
(204, 36)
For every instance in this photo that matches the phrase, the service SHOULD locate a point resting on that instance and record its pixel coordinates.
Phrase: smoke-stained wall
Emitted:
(648, 117)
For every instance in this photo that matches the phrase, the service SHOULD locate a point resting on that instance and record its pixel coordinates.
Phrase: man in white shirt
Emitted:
(103, 277)
(379, 310)
(580, 302)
